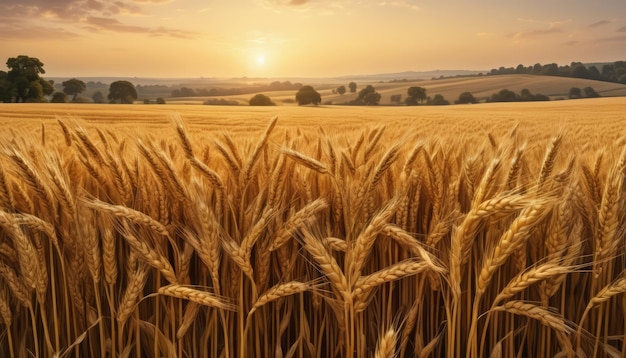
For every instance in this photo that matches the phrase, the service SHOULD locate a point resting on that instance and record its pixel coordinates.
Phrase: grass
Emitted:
(327, 232)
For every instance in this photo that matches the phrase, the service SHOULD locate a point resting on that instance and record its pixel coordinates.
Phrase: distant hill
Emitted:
(204, 81)
(386, 84)
(410, 75)
(481, 87)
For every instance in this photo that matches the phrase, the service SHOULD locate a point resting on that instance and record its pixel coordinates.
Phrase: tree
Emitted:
(438, 100)
(98, 97)
(466, 97)
(123, 91)
(59, 97)
(352, 87)
(25, 84)
(525, 93)
(579, 71)
(73, 87)
(575, 92)
(341, 90)
(415, 95)
(7, 92)
(261, 100)
(160, 100)
(504, 95)
(367, 97)
(308, 95)
(396, 98)
(590, 92)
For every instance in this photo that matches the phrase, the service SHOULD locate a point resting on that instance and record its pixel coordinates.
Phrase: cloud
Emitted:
(274, 3)
(621, 38)
(532, 34)
(98, 24)
(599, 24)
(48, 16)
(402, 4)
(622, 29)
(551, 28)
(18, 32)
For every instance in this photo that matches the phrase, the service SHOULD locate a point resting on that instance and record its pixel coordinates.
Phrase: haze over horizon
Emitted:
(303, 38)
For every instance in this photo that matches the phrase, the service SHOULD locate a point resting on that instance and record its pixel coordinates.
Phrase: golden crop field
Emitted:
(198, 231)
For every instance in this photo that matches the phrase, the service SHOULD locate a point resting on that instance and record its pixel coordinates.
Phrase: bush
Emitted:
(367, 97)
(261, 100)
(308, 95)
(438, 100)
(59, 97)
(465, 98)
(504, 95)
(82, 100)
(590, 92)
(160, 100)
(220, 102)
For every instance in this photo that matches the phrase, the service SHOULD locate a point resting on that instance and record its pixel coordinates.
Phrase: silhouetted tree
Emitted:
(438, 100)
(98, 97)
(7, 92)
(352, 87)
(367, 97)
(415, 95)
(124, 91)
(341, 89)
(73, 87)
(396, 98)
(466, 97)
(575, 92)
(59, 97)
(579, 70)
(261, 100)
(590, 92)
(504, 95)
(160, 100)
(308, 95)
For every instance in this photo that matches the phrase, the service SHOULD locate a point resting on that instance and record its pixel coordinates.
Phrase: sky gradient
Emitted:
(305, 38)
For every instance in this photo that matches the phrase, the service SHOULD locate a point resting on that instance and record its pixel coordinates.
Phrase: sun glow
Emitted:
(260, 60)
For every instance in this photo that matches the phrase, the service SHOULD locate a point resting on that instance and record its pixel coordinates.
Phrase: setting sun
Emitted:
(315, 38)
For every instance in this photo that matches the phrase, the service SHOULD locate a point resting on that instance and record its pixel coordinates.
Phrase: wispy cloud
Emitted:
(49, 16)
(402, 4)
(98, 24)
(620, 38)
(533, 34)
(274, 3)
(599, 24)
(12, 32)
(549, 28)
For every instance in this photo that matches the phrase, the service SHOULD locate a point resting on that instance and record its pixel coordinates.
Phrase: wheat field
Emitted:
(182, 231)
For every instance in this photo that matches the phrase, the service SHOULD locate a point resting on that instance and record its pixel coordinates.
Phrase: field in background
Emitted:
(325, 232)
(482, 87)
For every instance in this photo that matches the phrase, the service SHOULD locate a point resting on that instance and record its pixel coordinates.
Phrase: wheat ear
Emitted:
(203, 298)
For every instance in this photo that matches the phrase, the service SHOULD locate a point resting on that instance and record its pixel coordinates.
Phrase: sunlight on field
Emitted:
(582, 119)
(172, 230)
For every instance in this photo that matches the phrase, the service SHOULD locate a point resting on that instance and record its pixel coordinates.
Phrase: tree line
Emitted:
(206, 92)
(609, 72)
(23, 83)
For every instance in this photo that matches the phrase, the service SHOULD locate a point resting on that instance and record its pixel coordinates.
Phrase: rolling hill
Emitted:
(481, 87)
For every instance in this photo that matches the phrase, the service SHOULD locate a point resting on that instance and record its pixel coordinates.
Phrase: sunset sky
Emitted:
(282, 38)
